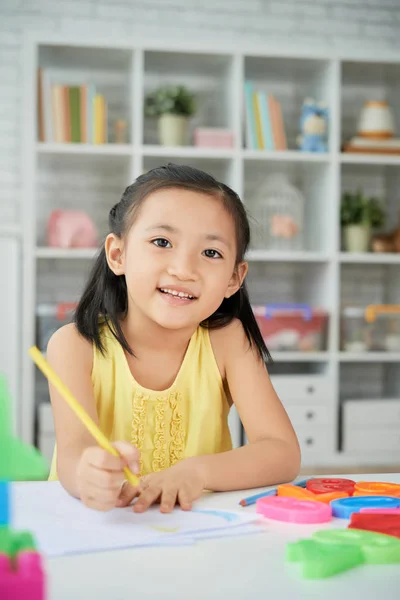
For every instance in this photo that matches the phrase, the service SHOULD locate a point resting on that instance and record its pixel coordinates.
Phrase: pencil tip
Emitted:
(242, 503)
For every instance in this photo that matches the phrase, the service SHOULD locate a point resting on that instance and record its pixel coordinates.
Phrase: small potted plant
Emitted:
(173, 105)
(359, 214)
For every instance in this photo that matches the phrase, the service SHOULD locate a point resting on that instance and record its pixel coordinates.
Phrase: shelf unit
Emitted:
(10, 231)
(93, 177)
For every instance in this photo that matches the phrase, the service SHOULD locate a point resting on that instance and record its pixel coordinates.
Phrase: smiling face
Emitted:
(178, 258)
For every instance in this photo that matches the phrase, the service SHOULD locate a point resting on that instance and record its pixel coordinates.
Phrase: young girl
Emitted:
(164, 341)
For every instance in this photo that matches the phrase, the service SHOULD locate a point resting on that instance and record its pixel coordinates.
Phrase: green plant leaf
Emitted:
(358, 209)
(170, 99)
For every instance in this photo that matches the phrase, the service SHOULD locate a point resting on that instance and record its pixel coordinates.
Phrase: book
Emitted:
(69, 112)
(251, 139)
(369, 145)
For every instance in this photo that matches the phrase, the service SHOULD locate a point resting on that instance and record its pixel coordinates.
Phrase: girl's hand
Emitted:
(183, 483)
(100, 475)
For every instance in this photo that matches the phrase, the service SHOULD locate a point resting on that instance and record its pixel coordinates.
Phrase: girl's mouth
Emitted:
(176, 297)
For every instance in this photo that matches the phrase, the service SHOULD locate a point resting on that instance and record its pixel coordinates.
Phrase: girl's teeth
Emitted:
(175, 293)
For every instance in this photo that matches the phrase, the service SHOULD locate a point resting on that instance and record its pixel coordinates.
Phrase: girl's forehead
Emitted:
(182, 206)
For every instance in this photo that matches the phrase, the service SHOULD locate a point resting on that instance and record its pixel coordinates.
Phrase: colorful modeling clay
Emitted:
(293, 491)
(331, 551)
(381, 511)
(273, 492)
(326, 485)
(377, 548)
(23, 578)
(292, 510)
(381, 523)
(21, 573)
(344, 507)
(376, 488)
(320, 560)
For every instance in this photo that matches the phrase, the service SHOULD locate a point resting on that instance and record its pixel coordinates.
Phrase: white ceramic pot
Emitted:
(357, 238)
(172, 130)
(376, 120)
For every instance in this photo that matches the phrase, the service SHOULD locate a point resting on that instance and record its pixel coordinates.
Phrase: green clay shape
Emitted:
(13, 542)
(377, 548)
(320, 560)
(18, 461)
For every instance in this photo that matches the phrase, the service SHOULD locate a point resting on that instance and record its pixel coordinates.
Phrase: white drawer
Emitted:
(315, 440)
(308, 415)
(46, 422)
(302, 388)
(371, 440)
(361, 413)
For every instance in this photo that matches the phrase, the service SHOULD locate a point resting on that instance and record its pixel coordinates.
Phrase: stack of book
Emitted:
(372, 146)
(264, 121)
(70, 114)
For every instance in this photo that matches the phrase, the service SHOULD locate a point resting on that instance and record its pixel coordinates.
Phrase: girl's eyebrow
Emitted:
(168, 228)
(210, 237)
(216, 237)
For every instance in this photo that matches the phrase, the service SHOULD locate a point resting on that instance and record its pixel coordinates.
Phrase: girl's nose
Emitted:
(183, 268)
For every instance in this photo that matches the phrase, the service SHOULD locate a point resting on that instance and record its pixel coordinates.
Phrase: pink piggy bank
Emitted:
(71, 229)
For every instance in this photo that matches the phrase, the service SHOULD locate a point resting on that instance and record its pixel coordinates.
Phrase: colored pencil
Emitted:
(273, 492)
(80, 412)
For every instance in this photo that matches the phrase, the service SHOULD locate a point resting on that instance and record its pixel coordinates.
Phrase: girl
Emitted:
(164, 341)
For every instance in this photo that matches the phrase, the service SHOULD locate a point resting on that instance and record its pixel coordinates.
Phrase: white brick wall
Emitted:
(306, 23)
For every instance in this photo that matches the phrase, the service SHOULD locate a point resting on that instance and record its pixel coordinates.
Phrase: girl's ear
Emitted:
(237, 279)
(114, 248)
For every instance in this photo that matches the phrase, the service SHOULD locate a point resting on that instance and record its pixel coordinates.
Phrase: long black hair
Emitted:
(105, 295)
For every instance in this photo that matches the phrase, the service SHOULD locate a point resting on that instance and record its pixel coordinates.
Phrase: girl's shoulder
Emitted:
(68, 342)
(225, 340)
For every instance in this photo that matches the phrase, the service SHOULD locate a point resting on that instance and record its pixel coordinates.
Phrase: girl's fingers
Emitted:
(104, 496)
(127, 494)
(146, 498)
(185, 498)
(103, 460)
(168, 500)
(101, 503)
(144, 482)
(129, 454)
(105, 480)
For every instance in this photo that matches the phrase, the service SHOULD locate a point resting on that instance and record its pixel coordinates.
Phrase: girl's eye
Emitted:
(161, 243)
(212, 253)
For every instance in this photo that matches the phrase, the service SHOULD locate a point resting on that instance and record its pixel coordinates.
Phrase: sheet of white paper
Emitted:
(233, 531)
(63, 525)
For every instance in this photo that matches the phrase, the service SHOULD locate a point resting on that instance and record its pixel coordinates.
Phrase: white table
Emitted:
(236, 568)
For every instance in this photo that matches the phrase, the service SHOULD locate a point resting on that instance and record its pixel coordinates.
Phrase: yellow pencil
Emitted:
(80, 412)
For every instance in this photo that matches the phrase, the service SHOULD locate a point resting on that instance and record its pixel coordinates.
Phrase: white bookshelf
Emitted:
(10, 231)
(369, 357)
(93, 177)
(44, 252)
(370, 258)
(53, 148)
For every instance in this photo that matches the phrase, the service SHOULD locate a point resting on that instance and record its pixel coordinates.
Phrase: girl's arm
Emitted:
(84, 469)
(272, 455)
(71, 356)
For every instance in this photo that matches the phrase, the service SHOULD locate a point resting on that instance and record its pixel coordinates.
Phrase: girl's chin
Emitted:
(174, 320)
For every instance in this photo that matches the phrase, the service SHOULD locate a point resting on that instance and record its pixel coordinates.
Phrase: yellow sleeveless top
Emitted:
(190, 418)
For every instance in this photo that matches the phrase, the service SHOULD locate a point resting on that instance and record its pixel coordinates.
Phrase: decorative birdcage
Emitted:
(278, 211)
